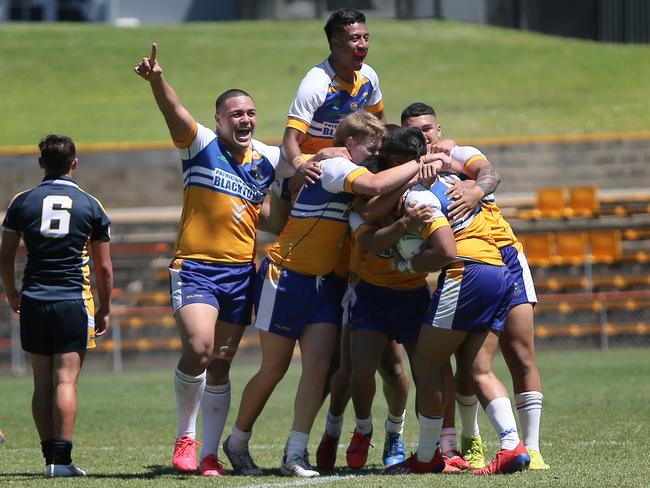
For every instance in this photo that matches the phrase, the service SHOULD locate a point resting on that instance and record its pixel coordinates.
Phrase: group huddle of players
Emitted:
(341, 193)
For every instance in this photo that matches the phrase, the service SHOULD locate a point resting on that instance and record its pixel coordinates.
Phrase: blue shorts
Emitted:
(56, 327)
(471, 297)
(524, 291)
(227, 287)
(286, 301)
(396, 313)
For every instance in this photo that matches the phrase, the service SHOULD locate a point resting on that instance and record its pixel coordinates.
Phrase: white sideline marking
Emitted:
(302, 482)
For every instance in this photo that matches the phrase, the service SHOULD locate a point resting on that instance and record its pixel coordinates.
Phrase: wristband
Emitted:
(405, 267)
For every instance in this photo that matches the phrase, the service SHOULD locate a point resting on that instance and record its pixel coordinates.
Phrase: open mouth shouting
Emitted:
(243, 133)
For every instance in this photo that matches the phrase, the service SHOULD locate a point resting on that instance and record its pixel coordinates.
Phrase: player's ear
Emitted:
(40, 162)
(74, 164)
(349, 142)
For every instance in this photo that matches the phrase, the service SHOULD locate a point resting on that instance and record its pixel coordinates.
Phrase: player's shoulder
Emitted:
(92, 199)
(337, 164)
(420, 194)
(20, 197)
(270, 152)
(465, 152)
(320, 76)
(369, 72)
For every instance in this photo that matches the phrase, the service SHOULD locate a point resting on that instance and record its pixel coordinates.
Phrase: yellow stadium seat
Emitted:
(583, 201)
(605, 246)
(570, 248)
(539, 248)
(551, 202)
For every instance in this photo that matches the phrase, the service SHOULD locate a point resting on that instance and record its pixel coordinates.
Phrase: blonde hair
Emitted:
(360, 126)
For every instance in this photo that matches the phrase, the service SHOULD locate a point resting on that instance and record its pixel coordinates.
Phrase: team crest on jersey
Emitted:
(354, 106)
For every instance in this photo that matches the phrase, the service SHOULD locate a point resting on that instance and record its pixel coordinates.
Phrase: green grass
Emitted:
(484, 81)
(595, 430)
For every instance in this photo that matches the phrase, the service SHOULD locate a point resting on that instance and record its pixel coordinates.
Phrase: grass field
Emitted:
(484, 81)
(595, 430)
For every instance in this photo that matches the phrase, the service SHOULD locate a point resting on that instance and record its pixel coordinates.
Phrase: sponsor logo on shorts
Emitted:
(281, 327)
(194, 295)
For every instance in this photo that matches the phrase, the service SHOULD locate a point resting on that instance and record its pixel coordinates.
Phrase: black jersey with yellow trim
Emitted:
(57, 220)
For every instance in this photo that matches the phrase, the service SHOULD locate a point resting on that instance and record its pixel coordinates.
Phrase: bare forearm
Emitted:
(178, 119)
(384, 237)
(379, 206)
(429, 261)
(104, 280)
(8, 275)
(488, 179)
(291, 146)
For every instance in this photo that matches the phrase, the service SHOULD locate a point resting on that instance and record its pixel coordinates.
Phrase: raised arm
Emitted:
(179, 121)
(104, 280)
(8, 248)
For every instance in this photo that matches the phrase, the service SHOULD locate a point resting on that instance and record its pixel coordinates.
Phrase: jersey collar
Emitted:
(59, 180)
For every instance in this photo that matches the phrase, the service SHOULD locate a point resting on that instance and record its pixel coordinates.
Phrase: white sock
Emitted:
(364, 425)
(395, 425)
(214, 412)
(499, 412)
(334, 425)
(468, 411)
(297, 444)
(448, 440)
(529, 409)
(238, 439)
(188, 390)
(430, 428)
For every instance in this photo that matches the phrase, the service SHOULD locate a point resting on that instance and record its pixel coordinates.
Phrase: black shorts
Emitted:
(56, 327)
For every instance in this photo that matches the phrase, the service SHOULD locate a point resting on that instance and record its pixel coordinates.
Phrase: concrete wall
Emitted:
(153, 178)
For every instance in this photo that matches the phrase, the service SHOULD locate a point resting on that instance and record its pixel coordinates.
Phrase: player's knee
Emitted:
(200, 349)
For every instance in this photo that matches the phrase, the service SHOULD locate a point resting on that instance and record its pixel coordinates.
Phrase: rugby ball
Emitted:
(409, 245)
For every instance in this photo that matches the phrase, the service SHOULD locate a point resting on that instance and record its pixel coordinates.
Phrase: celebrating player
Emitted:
(296, 295)
(58, 223)
(517, 339)
(225, 178)
(467, 312)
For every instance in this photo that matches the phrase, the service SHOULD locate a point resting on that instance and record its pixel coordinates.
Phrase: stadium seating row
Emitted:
(577, 247)
(581, 201)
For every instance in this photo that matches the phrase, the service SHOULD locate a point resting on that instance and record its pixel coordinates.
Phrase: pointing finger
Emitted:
(154, 50)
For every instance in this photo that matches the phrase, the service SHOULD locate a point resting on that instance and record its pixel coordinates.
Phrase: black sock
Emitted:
(62, 451)
(47, 448)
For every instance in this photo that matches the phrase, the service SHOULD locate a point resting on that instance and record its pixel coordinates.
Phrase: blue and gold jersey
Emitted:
(473, 236)
(222, 198)
(323, 100)
(313, 238)
(501, 230)
(377, 268)
(57, 220)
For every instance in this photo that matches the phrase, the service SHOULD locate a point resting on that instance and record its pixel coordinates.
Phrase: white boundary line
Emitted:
(301, 482)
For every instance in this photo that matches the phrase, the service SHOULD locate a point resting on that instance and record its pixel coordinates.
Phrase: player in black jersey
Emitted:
(59, 223)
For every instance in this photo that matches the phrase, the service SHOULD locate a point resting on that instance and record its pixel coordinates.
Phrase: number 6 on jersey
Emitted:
(55, 216)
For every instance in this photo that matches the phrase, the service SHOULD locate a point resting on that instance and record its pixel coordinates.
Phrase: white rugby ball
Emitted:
(409, 245)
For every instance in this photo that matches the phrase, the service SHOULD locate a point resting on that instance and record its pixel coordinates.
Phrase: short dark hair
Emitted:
(407, 142)
(416, 109)
(232, 93)
(340, 19)
(57, 154)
